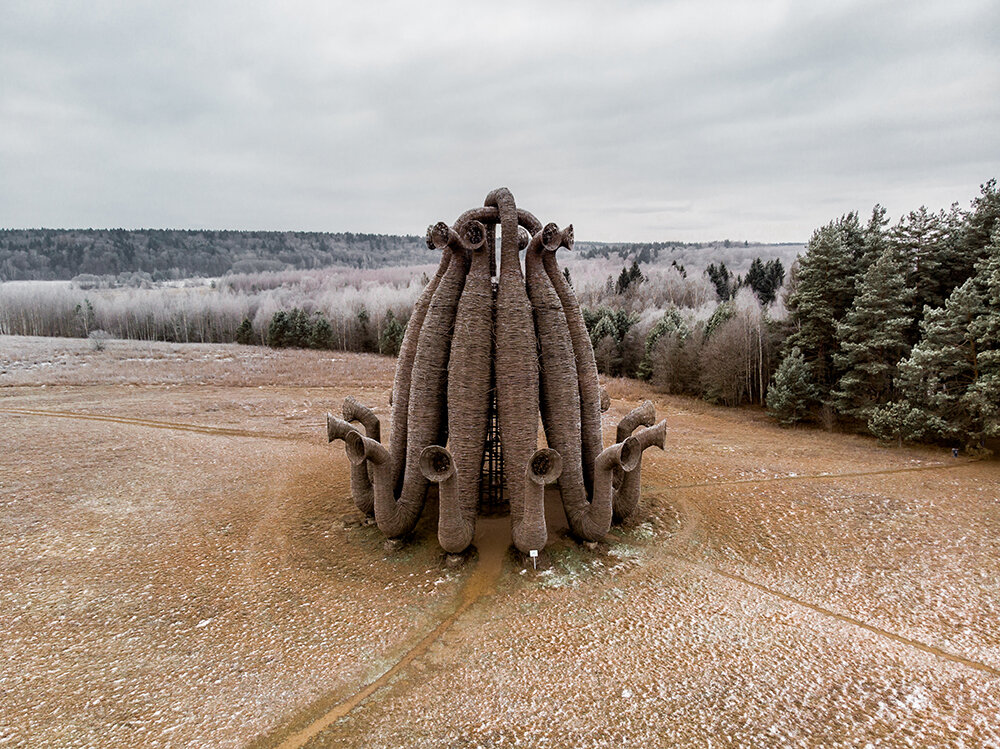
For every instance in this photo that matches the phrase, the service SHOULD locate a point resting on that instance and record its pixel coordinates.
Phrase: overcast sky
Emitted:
(633, 120)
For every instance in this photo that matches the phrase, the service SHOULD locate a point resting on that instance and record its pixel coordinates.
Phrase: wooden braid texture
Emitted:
(586, 364)
(532, 339)
(404, 369)
(469, 395)
(626, 497)
(516, 362)
(428, 393)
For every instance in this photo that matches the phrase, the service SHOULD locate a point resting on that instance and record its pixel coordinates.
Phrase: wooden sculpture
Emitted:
(524, 340)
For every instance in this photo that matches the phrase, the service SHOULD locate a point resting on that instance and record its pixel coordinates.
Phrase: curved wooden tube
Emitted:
(428, 394)
(490, 215)
(469, 369)
(531, 532)
(361, 482)
(470, 236)
(361, 450)
(357, 411)
(626, 498)
(516, 359)
(400, 398)
(560, 389)
(592, 440)
(455, 531)
(641, 415)
(591, 522)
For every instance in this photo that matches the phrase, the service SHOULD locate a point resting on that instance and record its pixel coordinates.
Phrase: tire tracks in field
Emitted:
(151, 424)
(492, 543)
(690, 523)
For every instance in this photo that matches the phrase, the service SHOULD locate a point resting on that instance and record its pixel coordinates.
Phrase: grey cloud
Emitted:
(638, 121)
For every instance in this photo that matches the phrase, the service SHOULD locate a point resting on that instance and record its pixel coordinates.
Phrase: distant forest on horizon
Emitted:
(171, 254)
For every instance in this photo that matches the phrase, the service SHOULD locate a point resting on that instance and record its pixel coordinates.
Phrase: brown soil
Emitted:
(181, 565)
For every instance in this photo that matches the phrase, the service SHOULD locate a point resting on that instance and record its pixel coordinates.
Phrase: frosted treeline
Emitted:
(355, 303)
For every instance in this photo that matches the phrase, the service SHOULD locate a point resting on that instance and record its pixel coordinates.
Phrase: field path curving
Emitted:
(492, 541)
(178, 426)
(827, 476)
(686, 535)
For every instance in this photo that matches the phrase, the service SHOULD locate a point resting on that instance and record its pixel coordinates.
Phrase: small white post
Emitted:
(534, 558)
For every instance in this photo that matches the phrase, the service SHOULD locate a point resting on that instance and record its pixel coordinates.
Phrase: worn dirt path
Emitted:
(492, 541)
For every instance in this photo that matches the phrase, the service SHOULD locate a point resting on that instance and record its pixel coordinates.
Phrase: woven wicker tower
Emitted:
(486, 354)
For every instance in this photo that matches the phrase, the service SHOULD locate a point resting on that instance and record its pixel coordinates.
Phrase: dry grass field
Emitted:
(181, 566)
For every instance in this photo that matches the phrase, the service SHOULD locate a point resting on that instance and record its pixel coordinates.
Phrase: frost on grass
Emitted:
(116, 546)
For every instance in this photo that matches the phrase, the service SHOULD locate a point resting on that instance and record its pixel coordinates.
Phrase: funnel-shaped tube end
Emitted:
(356, 411)
(545, 466)
(551, 237)
(436, 463)
(629, 454)
(567, 238)
(337, 429)
(654, 436)
(473, 236)
(438, 235)
(523, 238)
(626, 497)
(354, 446)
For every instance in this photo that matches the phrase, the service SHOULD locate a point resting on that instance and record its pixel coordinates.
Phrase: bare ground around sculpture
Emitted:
(181, 564)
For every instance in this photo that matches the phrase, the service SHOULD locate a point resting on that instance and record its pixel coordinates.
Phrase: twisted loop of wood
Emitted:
(626, 497)
(361, 479)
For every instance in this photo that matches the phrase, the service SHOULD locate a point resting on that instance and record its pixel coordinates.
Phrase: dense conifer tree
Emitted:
(765, 279)
(873, 337)
(853, 237)
(391, 337)
(874, 238)
(722, 277)
(919, 237)
(950, 384)
(245, 333)
(792, 393)
(824, 290)
(983, 398)
(977, 229)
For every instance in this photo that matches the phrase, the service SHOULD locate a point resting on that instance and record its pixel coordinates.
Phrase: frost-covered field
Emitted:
(180, 566)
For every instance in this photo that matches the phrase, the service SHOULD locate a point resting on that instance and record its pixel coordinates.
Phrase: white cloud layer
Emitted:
(640, 120)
